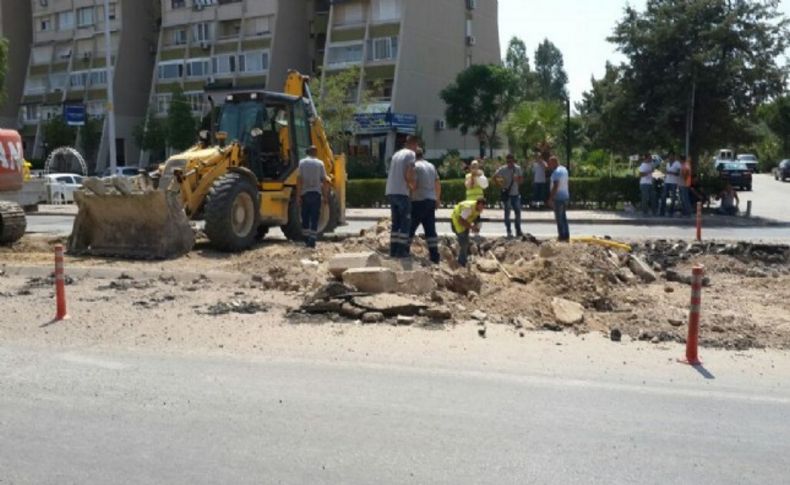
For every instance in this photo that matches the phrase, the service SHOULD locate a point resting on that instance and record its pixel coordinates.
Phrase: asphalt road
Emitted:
(61, 225)
(769, 198)
(91, 418)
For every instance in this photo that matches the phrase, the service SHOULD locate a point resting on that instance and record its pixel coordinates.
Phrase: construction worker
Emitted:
(400, 184)
(475, 182)
(509, 178)
(559, 197)
(312, 185)
(425, 200)
(465, 220)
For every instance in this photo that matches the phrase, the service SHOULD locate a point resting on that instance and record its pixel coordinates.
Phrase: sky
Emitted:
(578, 27)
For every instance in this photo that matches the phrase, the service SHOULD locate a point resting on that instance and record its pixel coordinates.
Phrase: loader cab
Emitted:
(272, 128)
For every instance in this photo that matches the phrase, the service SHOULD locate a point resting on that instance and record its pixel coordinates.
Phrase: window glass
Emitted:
(173, 70)
(238, 119)
(66, 20)
(224, 64)
(85, 16)
(198, 68)
(302, 129)
(346, 54)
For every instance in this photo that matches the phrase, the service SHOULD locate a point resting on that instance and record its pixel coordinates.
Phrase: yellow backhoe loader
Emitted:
(241, 186)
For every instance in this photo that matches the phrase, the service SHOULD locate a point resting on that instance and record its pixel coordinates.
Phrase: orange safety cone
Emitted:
(692, 342)
(60, 285)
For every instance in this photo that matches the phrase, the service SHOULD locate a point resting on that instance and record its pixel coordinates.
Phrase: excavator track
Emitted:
(12, 222)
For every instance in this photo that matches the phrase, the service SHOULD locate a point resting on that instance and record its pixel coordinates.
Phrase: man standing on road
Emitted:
(400, 184)
(684, 185)
(312, 184)
(540, 189)
(425, 200)
(646, 186)
(465, 220)
(559, 197)
(509, 178)
(670, 185)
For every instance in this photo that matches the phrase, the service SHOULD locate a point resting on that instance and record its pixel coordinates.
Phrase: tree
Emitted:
(517, 61)
(776, 115)
(550, 74)
(181, 126)
(151, 135)
(337, 106)
(90, 136)
(57, 133)
(479, 100)
(700, 64)
(535, 124)
(3, 67)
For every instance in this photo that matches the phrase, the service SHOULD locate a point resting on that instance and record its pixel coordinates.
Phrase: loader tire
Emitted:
(232, 213)
(333, 219)
(293, 228)
(328, 221)
(12, 222)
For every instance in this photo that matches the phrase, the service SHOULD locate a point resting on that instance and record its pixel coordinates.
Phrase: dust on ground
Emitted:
(746, 301)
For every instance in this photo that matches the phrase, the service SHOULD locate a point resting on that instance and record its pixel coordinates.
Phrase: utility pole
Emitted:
(568, 147)
(110, 91)
(690, 117)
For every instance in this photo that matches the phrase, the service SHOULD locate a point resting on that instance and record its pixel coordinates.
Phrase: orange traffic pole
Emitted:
(692, 342)
(60, 284)
(699, 221)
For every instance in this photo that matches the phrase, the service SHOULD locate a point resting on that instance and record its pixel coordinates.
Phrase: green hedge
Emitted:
(605, 193)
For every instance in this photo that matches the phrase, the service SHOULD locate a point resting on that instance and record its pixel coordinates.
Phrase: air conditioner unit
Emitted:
(471, 4)
(471, 40)
(441, 124)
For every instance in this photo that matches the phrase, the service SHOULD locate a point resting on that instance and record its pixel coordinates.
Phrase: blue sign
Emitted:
(384, 122)
(74, 114)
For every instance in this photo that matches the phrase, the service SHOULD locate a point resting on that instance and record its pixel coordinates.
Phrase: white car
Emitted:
(61, 187)
(122, 172)
(750, 161)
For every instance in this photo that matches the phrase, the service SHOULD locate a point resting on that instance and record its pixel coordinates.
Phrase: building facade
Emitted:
(67, 67)
(407, 52)
(16, 28)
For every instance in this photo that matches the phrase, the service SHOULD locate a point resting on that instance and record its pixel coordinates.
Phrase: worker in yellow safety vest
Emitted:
(475, 182)
(465, 220)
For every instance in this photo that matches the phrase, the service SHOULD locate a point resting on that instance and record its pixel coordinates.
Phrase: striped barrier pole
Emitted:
(699, 221)
(60, 284)
(692, 342)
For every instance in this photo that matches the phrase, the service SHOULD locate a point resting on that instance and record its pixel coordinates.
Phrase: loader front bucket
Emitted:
(136, 225)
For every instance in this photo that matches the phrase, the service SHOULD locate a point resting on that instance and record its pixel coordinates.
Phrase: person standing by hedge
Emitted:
(475, 182)
(311, 185)
(400, 184)
(465, 219)
(509, 178)
(425, 200)
(540, 188)
(670, 186)
(646, 187)
(559, 197)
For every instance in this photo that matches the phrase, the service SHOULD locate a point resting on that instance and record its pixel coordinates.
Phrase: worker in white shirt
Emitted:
(670, 185)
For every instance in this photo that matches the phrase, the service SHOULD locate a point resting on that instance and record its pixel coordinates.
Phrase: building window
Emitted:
(66, 20)
(42, 54)
(257, 26)
(58, 80)
(380, 90)
(345, 54)
(85, 17)
(386, 10)
(229, 29)
(179, 37)
(224, 64)
(198, 68)
(171, 70)
(195, 100)
(113, 11)
(44, 24)
(163, 103)
(384, 48)
(178, 4)
(201, 32)
(35, 85)
(469, 28)
(30, 113)
(98, 78)
(257, 61)
(96, 107)
(348, 13)
(204, 3)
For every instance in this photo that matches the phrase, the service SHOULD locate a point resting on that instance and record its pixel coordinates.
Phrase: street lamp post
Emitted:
(110, 88)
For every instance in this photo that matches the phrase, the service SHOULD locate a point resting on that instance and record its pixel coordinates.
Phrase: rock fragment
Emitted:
(567, 312)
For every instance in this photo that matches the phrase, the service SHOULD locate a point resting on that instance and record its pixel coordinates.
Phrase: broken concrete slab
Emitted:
(323, 306)
(463, 281)
(351, 311)
(371, 280)
(567, 312)
(389, 304)
(487, 266)
(373, 317)
(340, 263)
(439, 313)
(419, 282)
(641, 269)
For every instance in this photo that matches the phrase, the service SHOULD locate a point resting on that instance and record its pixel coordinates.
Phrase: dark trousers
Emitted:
(561, 216)
(540, 192)
(685, 200)
(463, 246)
(648, 199)
(400, 208)
(514, 202)
(424, 212)
(311, 211)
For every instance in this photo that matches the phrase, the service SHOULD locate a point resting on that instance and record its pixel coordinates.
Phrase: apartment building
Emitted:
(16, 28)
(408, 51)
(222, 45)
(67, 68)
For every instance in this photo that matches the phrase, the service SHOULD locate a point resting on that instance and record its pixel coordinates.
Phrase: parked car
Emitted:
(61, 187)
(725, 155)
(121, 171)
(782, 171)
(750, 161)
(737, 174)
